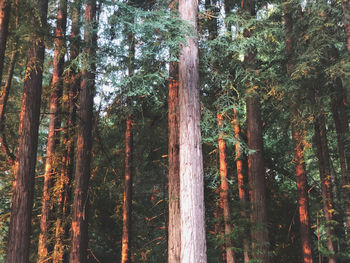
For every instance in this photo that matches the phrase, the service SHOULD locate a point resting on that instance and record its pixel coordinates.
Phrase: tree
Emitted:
(84, 142)
(24, 167)
(5, 8)
(193, 243)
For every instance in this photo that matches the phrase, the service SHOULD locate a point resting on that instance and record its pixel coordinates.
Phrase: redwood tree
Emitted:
(5, 8)
(193, 242)
(24, 167)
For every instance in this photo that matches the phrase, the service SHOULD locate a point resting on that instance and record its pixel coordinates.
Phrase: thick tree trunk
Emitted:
(174, 228)
(127, 192)
(24, 167)
(51, 165)
(193, 242)
(224, 194)
(325, 174)
(241, 185)
(298, 134)
(5, 10)
(84, 143)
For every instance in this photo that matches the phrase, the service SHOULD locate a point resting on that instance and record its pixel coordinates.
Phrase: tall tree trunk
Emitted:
(24, 167)
(51, 165)
(325, 173)
(241, 185)
(298, 134)
(224, 194)
(5, 10)
(346, 15)
(127, 192)
(193, 242)
(84, 142)
(174, 228)
(64, 196)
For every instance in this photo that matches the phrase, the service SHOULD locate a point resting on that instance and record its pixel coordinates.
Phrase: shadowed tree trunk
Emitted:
(5, 10)
(298, 134)
(64, 183)
(346, 12)
(241, 185)
(127, 192)
(51, 165)
(224, 194)
(24, 167)
(174, 228)
(193, 242)
(84, 142)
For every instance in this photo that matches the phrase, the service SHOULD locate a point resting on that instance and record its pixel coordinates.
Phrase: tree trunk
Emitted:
(325, 173)
(193, 242)
(241, 185)
(346, 13)
(51, 165)
(5, 10)
(298, 134)
(174, 228)
(24, 167)
(127, 192)
(84, 143)
(224, 194)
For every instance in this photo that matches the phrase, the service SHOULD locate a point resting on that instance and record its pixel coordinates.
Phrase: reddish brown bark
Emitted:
(174, 228)
(84, 142)
(127, 192)
(193, 242)
(224, 194)
(51, 165)
(241, 185)
(346, 12)
(5, 8)
(298, 134)
(24, 167)
(325, 173)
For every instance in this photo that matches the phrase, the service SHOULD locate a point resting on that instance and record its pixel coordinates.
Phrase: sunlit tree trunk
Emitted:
(174, 228)
(24, 167)
(5, 10)
(298, 134)
(224, 194)
(84, 142)
(127, 192)
(325, 173)
(241, 185)
(51, 165)
(64, 183)
(193, 242)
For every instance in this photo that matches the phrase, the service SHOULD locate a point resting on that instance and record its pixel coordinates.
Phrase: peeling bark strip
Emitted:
(193, 243)
(127, 192)
(24, 168)
(78, 252)
(224, 195)
(174, 228)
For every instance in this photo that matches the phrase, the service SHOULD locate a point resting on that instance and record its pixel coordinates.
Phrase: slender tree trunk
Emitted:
(174, 228)
(127, 192)
(298, 134)
(5, 10)
(193, 242)
(84, 143)
(51, 165)
(241, 185)
(325, 174)
(224, 194)
(24, 167)
(218, 231)
(346, 13)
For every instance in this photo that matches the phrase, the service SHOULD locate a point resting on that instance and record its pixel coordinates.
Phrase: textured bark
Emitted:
(84, 142)
(51, 165)
(346, 11)
(174, 228)
(5, 8)
(64, 196)
(325, 173)
(24, 167)
(193, 243)
(127, 192)
(224, 194)
(241, 185)
(298, 134)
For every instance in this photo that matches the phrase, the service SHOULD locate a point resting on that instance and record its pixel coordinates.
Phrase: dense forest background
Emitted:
(89, 130)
